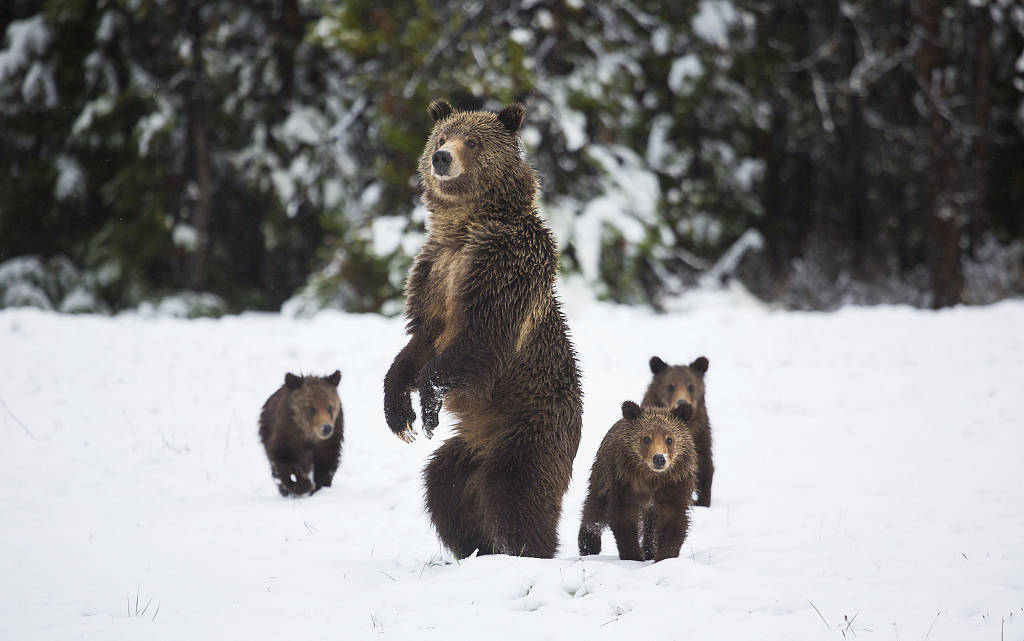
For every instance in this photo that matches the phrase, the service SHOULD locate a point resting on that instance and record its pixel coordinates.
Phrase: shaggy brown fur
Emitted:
(302, 429)
(640, 484)
(681, 383)
(489, 338)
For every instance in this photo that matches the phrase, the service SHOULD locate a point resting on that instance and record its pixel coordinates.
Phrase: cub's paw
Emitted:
(293, 482)
(323, 480)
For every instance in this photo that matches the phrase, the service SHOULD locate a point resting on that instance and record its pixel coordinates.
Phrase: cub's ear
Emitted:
(700, 365)
(292, 381)
(657, 365)
(334, 378)
(512, 116)
(439, 110)
(630, 410)
(683, 411)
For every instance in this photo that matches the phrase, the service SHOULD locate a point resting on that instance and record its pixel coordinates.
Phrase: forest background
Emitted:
(214, 156)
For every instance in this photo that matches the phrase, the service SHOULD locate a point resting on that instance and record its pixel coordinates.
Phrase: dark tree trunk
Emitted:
(284, 23)
(980, 160)
(943, 244)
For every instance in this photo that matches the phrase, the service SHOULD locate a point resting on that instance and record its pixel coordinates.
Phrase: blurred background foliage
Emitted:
(207, 156)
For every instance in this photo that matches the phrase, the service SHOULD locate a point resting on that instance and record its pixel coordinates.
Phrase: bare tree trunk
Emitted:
(980, 161)
(943, 224)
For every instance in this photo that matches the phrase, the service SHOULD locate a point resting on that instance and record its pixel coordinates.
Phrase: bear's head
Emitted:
(674, 384)
(314, 403)
(659, 436)
(475, 155)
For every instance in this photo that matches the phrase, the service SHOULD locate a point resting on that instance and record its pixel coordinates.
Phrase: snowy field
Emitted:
(869, 484)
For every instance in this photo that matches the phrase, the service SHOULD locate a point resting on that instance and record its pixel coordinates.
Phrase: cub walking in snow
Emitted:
(302, 429)
(641, 483)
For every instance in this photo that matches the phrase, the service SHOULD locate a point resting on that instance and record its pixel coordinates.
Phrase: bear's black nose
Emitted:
(659, 461)
(442, 161)
(326, 428)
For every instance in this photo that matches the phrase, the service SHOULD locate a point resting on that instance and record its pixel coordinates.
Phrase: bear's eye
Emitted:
(647, 440)
(311, 410)
(471, 143)
(668, 441)
(330, 409)
(671, 387)
(690, 387)
(440, 141)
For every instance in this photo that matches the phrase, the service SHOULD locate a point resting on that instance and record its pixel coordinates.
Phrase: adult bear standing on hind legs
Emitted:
(488, 337)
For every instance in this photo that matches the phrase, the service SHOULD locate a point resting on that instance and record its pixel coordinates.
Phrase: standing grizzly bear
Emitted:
(302, 428)
(677, 384)
(487, 336)
(640, 484)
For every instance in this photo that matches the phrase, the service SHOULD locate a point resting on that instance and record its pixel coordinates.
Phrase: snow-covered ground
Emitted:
(869, 483)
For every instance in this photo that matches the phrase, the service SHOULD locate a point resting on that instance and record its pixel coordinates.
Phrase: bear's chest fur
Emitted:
(449, 269)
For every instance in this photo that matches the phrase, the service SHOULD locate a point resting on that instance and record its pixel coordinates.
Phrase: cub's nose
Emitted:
(326, 429)
(442, 161)
(659, 461)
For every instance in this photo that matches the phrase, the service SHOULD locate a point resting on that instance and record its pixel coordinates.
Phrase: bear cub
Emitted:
(641, 483)
(302, 429)
(674, 384)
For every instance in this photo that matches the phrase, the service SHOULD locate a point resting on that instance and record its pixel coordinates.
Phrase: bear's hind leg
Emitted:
(706, 473)
(521, 510)
(452, 506)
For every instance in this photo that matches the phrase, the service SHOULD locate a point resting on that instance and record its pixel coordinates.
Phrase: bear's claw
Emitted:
(408, 434)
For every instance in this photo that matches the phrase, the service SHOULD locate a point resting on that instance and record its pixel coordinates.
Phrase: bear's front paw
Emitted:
(400, 416)
(430, 406)
(323, 479)
(294, 483)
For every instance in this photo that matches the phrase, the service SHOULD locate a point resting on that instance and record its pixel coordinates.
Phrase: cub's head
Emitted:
(659, 436)
(314, 403)
(674, 384)
(474, 154)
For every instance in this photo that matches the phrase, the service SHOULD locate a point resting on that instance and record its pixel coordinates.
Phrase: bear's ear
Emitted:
(439, 110)
(683, 411)
(292, 381)
(630, 410)
(512, 116)
(657, 365)
(334, 378)
(700, 365)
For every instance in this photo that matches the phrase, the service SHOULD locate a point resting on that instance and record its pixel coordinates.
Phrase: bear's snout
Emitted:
(442, 162)
(326, 429)
(659, 461)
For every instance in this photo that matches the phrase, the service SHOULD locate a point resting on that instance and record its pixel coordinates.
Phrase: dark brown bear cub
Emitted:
(302, 429)
(487, 337)
(685, 384)
(640, 484)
